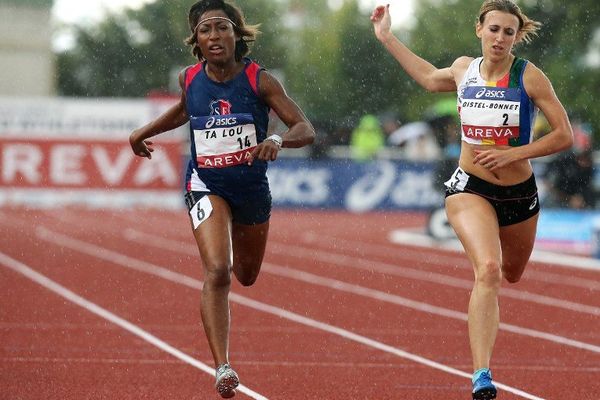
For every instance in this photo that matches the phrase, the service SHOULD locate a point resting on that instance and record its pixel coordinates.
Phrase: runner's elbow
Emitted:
(567, 139)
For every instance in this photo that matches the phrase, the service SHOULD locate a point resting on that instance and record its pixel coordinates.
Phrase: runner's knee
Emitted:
(513, 275)
(247, 280)
(246, 276)
(489, 274)
(217, 275)
(512, 278)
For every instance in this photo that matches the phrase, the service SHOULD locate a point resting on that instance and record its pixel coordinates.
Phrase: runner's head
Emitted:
(527, 27)
(223, 16)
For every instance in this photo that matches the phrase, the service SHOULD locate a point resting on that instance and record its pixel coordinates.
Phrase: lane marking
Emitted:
(429, 276)
(87, 360)
(419, 306)
(109, 316)
(410, 236)
(457, 258)
(142, 266)
(401, 236)
(370, 265)
(307, 277)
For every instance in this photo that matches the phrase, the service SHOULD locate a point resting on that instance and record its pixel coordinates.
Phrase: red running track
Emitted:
(105, 305)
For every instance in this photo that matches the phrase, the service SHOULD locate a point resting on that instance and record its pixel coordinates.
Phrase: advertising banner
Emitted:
(56, 152)
(354, 186)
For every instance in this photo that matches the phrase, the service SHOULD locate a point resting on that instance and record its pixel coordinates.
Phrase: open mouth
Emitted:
(216, 49)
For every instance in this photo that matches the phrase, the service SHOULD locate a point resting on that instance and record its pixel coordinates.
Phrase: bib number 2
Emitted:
(201, 211)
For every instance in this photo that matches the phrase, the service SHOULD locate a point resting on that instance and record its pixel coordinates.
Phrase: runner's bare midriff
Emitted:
(512, 174)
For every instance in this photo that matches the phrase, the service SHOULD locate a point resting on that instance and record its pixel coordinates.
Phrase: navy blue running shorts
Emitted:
(251, 210)
(513, 204)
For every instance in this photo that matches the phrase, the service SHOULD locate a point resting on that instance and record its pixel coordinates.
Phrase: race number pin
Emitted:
(201, 211)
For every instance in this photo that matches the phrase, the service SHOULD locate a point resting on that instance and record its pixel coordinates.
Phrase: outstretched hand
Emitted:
(382, 21)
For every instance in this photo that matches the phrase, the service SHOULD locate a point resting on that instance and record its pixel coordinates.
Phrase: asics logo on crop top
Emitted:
(218, 122)
(220, 107)
(490, 94)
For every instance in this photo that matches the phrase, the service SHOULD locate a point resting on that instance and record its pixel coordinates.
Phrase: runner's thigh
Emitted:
(213, 236)
(474, 220)
(517, 242)
(249, 243)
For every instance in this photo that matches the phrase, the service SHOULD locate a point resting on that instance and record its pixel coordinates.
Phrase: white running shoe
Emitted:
(227, 381)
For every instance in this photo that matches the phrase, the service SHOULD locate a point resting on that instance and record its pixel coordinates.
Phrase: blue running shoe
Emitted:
(483, 388)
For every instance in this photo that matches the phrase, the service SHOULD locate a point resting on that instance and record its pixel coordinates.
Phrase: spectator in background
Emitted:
(323, 140)
(571, 174)
(541, 126)
(417, 141)
(390, 122)
(340, 133)
(447, 131)
(367, 138)
(443, 118)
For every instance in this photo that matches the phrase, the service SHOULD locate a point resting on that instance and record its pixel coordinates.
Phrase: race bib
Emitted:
(490, 115)
(458, 180)
(223, 140)
(201, 211)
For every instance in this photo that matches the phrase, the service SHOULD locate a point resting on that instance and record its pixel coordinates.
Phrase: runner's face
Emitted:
(216, 37)
(498, 33)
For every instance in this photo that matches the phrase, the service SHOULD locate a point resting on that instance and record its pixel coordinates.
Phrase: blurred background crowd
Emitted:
(361, 103)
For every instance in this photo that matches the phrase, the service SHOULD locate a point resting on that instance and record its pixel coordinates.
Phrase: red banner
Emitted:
(78, 164)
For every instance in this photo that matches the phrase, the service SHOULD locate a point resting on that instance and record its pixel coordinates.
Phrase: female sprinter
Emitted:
(491, 199)
(226, 98)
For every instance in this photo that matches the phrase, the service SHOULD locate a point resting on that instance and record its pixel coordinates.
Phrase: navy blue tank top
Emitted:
(227, 121)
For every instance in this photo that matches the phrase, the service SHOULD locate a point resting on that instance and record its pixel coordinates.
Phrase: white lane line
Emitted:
(415, 239)
(370, 265)
(419, 306)
(70, 360)
(447, 260)
(411, 237)
(377, 345)
(349, 261)
(176, 246)
(142, 266)
(103, 313)
(454, 259)
(408, 236)
(407, 254)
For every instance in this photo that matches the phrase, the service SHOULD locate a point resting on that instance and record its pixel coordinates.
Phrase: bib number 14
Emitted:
(244, 143)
